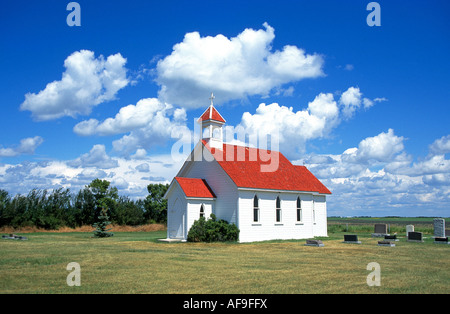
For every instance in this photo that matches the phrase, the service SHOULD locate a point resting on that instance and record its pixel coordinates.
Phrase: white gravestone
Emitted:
(439, 227)
(409, 228)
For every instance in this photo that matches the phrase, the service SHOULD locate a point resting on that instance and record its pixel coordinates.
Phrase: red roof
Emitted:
(211, 114)
(195, 187)
(243, 165)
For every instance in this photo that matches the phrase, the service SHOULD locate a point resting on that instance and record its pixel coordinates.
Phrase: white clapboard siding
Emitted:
(320, 206)
(267, 228)
(176, 213)
(223, 187)
(193, 211)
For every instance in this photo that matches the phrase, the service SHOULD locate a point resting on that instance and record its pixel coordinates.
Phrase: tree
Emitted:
(100, 226)
(4, 206)
(155, 204)
(104, 195)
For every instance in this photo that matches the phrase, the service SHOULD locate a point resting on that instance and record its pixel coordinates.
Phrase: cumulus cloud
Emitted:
(96, 157)
(441, 146)
(86, 82)
(148, 123)
(379, 174)
(146, 112)
(351, 100)
(382, 148)
(233, 68)
(126, 176)
(27, 146)
(318, 120)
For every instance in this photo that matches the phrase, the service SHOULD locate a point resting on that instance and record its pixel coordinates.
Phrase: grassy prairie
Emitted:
(135, 262)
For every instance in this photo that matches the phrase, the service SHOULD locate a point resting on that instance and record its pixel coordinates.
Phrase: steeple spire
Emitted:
(211, 123)
(212, 98)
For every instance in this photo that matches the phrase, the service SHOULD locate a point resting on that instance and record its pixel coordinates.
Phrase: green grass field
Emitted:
(135, 262)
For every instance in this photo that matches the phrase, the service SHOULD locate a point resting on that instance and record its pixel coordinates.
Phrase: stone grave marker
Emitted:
(351, 238)
(391, 237)
(441, 240)
(314, 243)
(385, 243)
(14, 237)
(439, 227)
(379, 230)
(409, 228)
(415, 237)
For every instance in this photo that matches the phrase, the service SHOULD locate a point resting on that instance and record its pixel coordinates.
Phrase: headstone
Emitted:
(439, 227)
(415, 237)
(351, 238)
(314, 243)
(409, 228)
(441, 240)
(379, 230)
(14, 237)
(385, 243)
(391, 237)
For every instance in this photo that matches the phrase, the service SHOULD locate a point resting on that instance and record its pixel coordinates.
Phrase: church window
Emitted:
(299, 209)
(255, 209)
(278, 210)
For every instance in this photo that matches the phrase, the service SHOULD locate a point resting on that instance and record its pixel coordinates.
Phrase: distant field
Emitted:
(395, 224)
(135, 262)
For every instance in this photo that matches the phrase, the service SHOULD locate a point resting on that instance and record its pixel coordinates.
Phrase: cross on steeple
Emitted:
(212, 98)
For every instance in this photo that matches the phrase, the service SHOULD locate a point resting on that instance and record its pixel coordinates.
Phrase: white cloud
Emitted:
(232, 68)
(96, 157)
(441, 146)
(129, 118)
(86, 82)
(378, 177)
(351, 101)
(380, 148)
(24, 177)
(149, 122)
(27, 146)
(144, 167)
(295, 128)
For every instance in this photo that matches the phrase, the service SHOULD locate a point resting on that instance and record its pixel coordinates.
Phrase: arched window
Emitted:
(202, 211)
(299, 209)
(255, 209)
(278, 210)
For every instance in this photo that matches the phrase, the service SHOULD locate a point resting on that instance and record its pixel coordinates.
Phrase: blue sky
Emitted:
(364, 108)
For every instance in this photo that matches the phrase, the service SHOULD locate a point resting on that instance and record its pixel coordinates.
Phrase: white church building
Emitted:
(237, 184)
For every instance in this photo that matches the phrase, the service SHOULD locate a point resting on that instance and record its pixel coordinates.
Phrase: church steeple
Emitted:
(211, 124)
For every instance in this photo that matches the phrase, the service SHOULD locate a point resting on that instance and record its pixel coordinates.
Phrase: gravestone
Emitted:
(391, 237)
(439, 227)
(415, 237)
(351, 238)
(14, 237)
(409, 228)
(314, 243)
(379, 230)
(385, 243)
(441, 240)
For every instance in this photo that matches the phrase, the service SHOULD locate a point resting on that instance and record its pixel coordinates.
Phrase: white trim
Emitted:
(200, 198)
(278, 191)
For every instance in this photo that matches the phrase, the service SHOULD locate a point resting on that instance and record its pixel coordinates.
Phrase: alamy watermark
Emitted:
(231, 144)
(374, 17)
(74, 277)
(74, 17)
(374, 278)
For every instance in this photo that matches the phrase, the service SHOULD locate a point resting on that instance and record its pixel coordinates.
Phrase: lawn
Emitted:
(135, 262)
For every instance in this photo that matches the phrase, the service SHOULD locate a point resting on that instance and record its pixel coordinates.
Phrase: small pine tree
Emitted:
(101, 231)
